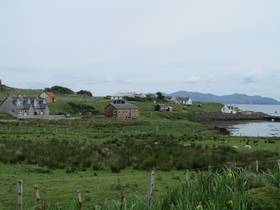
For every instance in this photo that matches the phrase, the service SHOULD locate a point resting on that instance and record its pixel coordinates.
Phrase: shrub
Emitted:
(82, 108)
(115, 168)
(85, 93)
(60, 90)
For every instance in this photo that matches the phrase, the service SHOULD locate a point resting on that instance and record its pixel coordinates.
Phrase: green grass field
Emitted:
(97, 187)
(224, 189)
(67, 155)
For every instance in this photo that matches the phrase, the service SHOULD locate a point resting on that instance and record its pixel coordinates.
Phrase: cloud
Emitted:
(253, 75)
(193, 80)
(248, 80)
(197, 79)
(210, 79)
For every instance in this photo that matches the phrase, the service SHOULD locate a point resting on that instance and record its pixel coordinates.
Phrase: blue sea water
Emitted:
(257, 129)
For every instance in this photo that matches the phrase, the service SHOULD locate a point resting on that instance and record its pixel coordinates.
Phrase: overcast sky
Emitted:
(108, 46)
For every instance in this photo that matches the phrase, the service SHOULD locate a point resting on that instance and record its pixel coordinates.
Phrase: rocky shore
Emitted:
(221, 121)
(242, 116)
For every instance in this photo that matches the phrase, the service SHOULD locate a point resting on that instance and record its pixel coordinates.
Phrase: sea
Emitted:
(257, 129)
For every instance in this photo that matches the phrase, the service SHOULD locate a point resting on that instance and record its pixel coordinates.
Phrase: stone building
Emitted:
(25, 107)
(49, 96)
(121, 109)
(165, 108)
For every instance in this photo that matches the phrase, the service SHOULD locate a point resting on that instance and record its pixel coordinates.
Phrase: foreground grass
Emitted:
(97, 187)
(223, 189)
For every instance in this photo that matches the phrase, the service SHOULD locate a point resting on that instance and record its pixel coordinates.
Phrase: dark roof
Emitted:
(123, 104)
(27, 102)
(182, 98)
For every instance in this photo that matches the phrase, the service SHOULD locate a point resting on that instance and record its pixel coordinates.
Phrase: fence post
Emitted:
(122, 199)
(19, 194)
(209, 168)
(187, 176)
(278, 162)
(257, 166)
(150, 189)
(79, 199)
(39, 203)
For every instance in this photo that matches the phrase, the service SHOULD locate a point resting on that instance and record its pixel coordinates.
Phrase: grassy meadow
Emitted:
(99, 156)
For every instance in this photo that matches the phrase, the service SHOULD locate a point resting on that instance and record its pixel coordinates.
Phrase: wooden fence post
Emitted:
(79, 199)
(19, 194)
(150, 189)
(257, 166)
(187, 176)
(39, 203)
(278, 162)
(122, 199)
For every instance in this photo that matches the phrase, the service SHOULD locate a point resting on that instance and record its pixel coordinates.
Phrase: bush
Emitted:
(82, 108)
(60, 90)
(115, 168)
(85, 93)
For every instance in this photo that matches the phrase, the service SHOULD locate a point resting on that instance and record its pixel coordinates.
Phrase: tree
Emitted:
(60, 90)
(157, 107)
(160, 96)
(85, 93)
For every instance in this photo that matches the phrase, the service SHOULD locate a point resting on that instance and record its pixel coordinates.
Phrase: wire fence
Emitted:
(40, 204)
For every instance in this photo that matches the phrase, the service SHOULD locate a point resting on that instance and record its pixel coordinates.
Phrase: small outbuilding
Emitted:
(121, 109)
(49, 96)
(165, 108)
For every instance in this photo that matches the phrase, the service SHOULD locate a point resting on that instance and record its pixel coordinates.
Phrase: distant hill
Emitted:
(226, 99)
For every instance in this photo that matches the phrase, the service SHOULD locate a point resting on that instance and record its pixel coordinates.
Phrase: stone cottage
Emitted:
(25, 106)
(121, 109)
(49, 96)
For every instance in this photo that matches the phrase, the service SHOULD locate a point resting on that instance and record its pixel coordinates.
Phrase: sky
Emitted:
(110, 46)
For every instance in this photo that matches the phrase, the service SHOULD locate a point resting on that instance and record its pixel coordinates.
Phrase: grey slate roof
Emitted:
(27, 102)
(123, 104)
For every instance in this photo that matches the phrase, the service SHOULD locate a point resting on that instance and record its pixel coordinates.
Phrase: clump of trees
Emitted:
(64, 90)
(161, 97)
(85, 93)
(60, 90)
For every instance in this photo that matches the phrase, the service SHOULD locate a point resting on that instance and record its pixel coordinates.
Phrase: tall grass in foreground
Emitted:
(220, 190)
(214, 191)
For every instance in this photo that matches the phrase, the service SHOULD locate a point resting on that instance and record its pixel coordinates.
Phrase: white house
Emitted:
(229, 109)
(182, 100)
